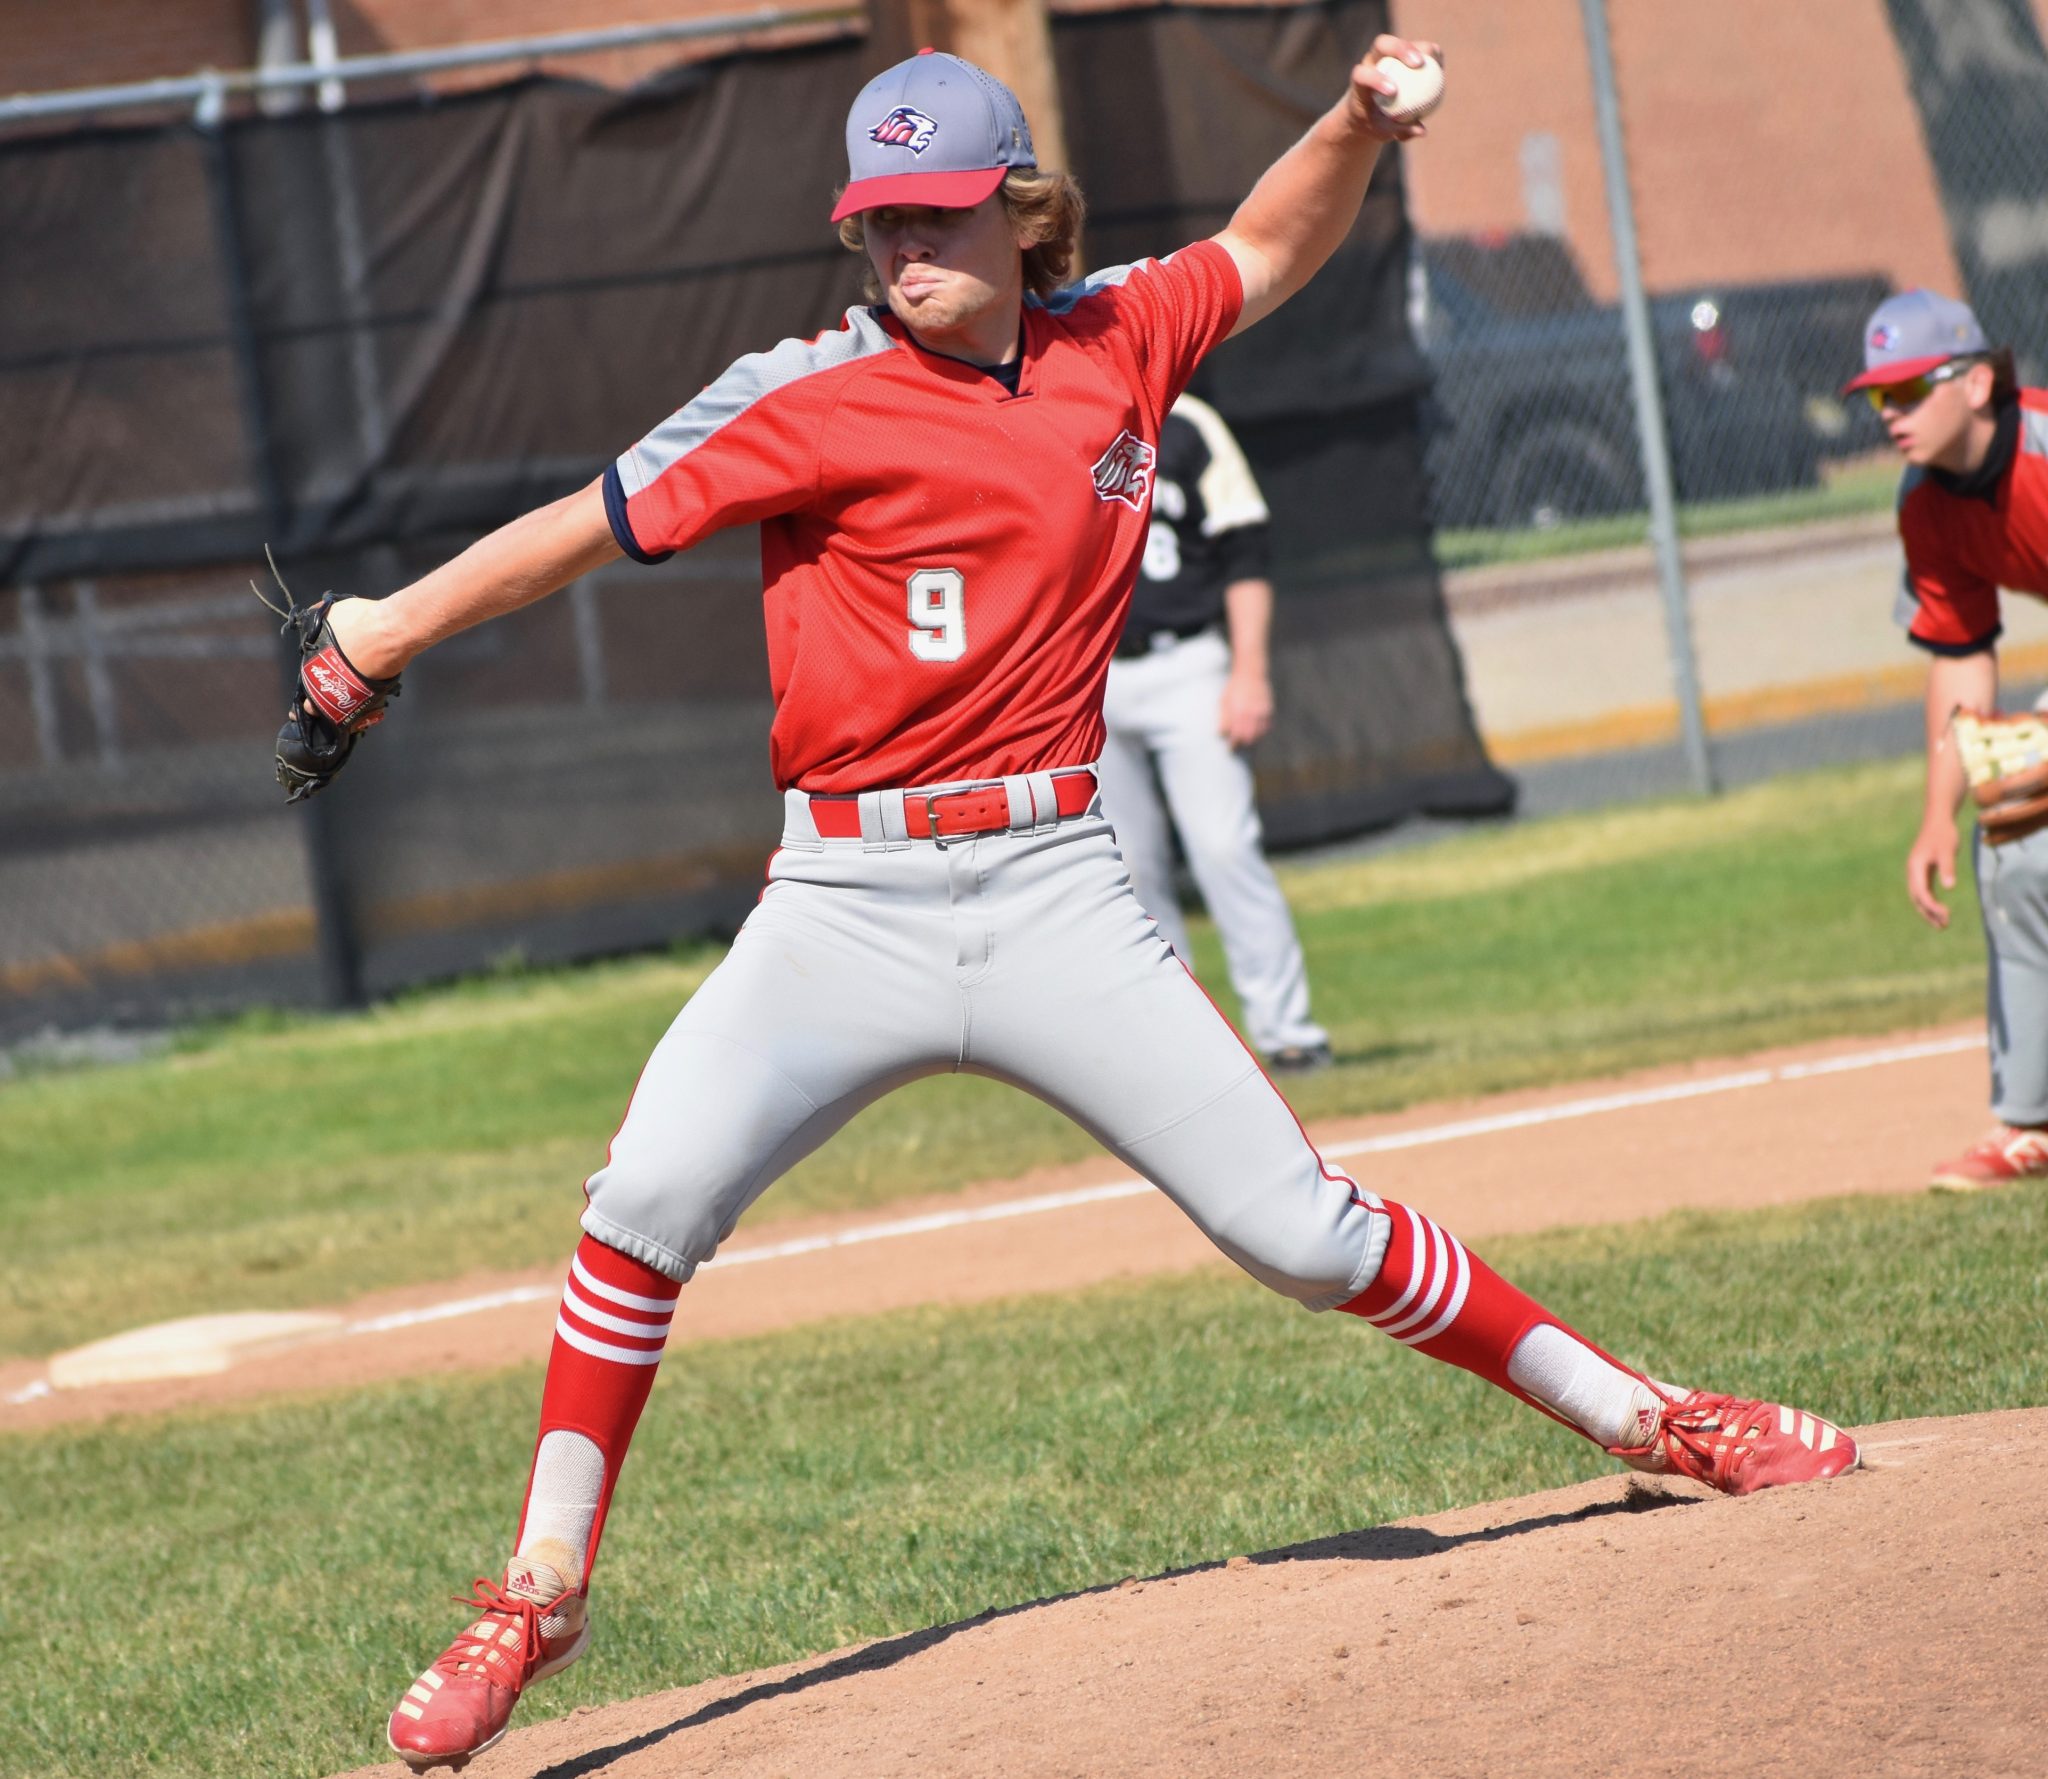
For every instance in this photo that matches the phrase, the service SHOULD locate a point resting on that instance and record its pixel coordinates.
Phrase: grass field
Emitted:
(282, 1162)
(1847, 490)
(247, 1592)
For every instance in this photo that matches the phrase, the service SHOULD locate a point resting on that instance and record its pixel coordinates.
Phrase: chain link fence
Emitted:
(364, 336)
(1779, 196)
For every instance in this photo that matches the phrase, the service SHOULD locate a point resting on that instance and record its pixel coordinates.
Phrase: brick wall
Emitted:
(1767, 140)
(51, 44)
(365, 26)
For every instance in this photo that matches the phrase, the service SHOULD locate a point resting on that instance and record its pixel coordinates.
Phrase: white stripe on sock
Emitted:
(617, 1324)
(611, 1293)
(600, 1349)
(1418, 1263)
(1457, 1302)
(1430, 1298)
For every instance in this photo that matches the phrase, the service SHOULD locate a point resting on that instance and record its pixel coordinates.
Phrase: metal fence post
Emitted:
(1651, 432)
(589, 623)
(36, 655)
(100, 695)
(340, 951)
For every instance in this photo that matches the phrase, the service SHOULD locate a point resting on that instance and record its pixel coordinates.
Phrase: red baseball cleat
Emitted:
(2011, 1152)
(1739, 1447)
(534, 1625)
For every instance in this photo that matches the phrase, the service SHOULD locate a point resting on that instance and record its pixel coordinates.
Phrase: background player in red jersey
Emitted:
(953, 490)
(1973, 516)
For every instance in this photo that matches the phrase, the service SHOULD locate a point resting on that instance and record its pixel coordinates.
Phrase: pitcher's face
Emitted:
(944, 270)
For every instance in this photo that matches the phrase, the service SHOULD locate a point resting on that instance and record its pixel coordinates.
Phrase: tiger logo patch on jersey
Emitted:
(905, 127)
(1124, 471)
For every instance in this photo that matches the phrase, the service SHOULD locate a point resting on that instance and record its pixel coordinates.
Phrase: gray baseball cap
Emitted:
(1909, 334)
(932, 130)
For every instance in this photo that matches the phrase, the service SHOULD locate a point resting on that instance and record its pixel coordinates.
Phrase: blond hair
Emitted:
(1046, 207)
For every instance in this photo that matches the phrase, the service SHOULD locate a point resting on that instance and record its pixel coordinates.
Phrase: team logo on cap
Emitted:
(1883, 337)
(905, 127)
(1124, 471)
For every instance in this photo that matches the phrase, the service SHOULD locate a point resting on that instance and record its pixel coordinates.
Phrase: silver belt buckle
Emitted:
(931, 819)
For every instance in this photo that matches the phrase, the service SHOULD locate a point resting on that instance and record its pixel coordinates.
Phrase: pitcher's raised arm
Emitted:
(1305, 203)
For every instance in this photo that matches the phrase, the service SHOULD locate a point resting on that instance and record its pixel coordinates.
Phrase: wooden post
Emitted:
(1012, 39)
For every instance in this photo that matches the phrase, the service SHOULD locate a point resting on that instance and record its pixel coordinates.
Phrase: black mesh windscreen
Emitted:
(365, 337)
(1980, 80)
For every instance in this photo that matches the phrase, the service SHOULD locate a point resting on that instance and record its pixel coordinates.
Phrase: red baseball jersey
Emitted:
(1961, 547)
(945, 564)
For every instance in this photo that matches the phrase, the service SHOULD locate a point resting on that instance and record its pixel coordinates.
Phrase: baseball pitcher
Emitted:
(953, 490)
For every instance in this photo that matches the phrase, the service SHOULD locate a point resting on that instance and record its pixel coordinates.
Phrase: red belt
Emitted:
(951, 815)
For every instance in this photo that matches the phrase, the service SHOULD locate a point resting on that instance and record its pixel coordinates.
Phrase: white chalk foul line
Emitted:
(1653, 1096)
(447, 1312)
(936, 1221)
(1594, 1106)
(812, 1244)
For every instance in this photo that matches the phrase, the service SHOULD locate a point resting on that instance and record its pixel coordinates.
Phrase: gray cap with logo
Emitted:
(932, 130)
(1910, 334)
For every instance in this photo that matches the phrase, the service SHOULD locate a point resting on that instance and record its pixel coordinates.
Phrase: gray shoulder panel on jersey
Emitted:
(1062, 302)
(746, 382)
(1230, 493)
(2034, 432)
(1906, 606)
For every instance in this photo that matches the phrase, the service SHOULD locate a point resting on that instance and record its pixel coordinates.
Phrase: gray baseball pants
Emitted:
(1162, 708)
(2012, 893)
(1020, 955)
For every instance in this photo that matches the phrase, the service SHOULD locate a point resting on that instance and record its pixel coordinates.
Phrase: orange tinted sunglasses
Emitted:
(1914, 390)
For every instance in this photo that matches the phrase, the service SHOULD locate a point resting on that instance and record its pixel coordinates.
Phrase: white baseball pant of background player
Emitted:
(1161, 710)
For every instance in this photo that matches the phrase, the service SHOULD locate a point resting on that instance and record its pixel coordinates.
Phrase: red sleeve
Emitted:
(742, 451)
(1173, 311)
(1946, 608)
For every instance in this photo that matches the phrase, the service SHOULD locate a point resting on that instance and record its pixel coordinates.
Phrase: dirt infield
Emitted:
(1787, 1130)
(1888, 1623)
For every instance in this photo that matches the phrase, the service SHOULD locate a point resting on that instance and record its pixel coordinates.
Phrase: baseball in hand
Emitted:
(1417, 91)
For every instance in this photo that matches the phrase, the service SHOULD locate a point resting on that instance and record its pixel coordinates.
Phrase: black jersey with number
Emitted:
(1209, 526)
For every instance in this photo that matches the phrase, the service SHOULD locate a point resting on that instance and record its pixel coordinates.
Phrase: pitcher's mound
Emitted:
(1890, 1622)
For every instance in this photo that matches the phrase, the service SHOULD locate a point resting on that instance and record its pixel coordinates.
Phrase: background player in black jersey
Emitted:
(1189, 692)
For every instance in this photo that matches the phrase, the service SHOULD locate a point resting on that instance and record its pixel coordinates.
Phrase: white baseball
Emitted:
(1417, 91)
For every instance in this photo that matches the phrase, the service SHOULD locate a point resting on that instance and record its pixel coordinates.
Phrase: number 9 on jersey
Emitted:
(938, 614)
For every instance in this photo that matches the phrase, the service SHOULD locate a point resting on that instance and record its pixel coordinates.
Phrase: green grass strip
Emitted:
(278, 1163)
(249, 1591)
(1849, 491)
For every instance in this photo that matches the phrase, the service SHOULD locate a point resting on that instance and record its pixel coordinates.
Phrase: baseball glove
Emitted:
(2005, 758)
(331, 702)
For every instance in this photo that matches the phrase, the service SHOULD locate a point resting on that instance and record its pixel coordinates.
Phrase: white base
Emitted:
(198, 1346)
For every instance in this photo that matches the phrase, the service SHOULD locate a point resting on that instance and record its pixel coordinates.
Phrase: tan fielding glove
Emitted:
(2006, 760)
